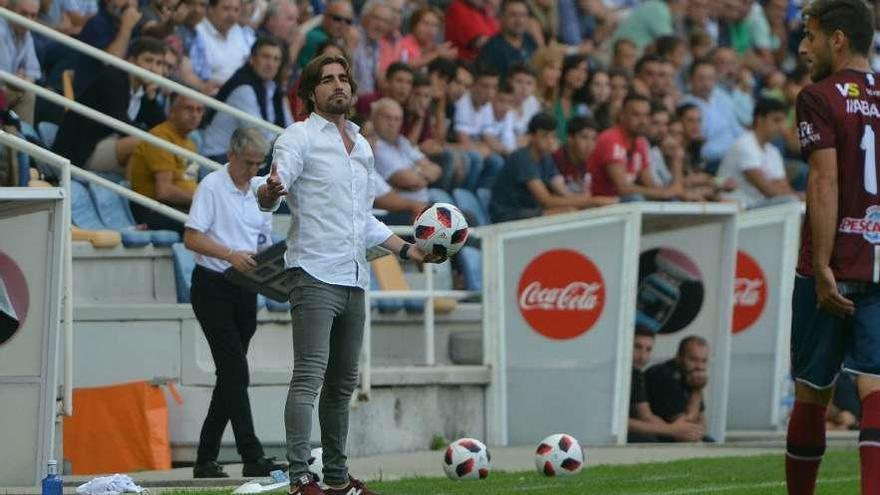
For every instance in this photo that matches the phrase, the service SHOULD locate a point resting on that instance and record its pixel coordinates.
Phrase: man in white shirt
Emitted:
(400, 163)
(755, 163)
(473, 114)
(499, 133)
(254, 89)
(324, 166)
(18, 56)
(220, 46)
(225, 228)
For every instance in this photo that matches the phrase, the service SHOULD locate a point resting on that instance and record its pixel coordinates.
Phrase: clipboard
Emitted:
(269, 277)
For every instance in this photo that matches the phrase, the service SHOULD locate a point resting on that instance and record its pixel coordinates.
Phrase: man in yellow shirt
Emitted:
(161, 175)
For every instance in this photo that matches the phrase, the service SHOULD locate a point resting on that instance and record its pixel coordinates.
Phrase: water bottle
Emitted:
(52, 484)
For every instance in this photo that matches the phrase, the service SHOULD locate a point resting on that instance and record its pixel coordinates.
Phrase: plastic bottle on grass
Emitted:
(52, 483)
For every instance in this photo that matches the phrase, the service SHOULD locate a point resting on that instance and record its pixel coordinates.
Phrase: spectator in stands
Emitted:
(118, 95)
(513, 44)
(400, 163)
(698, 20)
(675, 387)
(376, 19)
(598, 98)
(473, 113)
(254, 88)
(391, 45)
(755, 163)
(73, 15)
(499, 134)
(186, 31)
(585, 24)
(571, 101)
(111, 30)
(692, 140)
(162, 17)
(161, 175)
(644, 426)
(646, 75)
(246, 21)
(623, 56)
(669, 164)
(735, 83)
(651, 19)
(220, 46)
(398, 87)
(420, 47)
(335, 23)
(547, 62)
(571, 158)
(225, 229)
(282, 22)
(529, 184)
(720, 127)
(419, 127)
(469, 25)
(619, 165)
(525, 103)
(18, 56)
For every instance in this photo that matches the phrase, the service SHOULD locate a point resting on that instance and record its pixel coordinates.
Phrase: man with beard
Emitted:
(325, 168)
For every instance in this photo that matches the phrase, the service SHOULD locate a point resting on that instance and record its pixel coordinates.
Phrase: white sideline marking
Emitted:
(702, 489)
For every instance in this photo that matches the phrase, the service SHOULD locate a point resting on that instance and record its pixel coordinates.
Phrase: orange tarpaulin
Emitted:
(117, 429)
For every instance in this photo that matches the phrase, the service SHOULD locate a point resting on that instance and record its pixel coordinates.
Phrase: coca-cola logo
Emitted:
(749, 292)
(561, 294)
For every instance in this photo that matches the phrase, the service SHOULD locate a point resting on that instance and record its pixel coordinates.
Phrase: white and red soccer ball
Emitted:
(559, 455)
(441, 230)
(466, 459)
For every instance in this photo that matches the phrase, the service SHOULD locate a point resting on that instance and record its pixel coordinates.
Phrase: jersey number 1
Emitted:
(867, 144)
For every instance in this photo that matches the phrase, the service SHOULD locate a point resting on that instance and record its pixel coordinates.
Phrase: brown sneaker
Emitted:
(355, 487)
(304, 485)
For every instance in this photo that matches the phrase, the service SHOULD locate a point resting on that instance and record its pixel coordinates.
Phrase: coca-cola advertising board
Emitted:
(759, 366)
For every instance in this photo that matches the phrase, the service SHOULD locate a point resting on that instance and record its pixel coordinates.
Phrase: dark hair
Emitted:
(854, 18)
(146, 44)
(644, 332)
(420, 80)
(698, 62)
(461, 64)
(328, 43)
(620, 42)
(445, 67)
(664, 46)
(687, 341)
(213, 3)
(645, 60)
(485, 70)
(521, 68)
(542, 121)
(420, 14)
(633, 96)
(659, 107)
(579, 123)
(684, 108)
(397, 67)
(267, 40)
(797, 75)
(766, 106)
(505, 87)
(311, 77)
(508, 2)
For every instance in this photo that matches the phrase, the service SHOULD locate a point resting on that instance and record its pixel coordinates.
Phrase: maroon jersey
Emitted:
(843, 112)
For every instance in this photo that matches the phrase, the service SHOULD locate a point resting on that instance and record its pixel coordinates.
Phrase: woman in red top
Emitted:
(469, 25)
(419, 48)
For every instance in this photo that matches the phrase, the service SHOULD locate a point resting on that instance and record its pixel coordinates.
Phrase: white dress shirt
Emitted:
(330, 194)
(223, 54)
(229, 216)
(471, 120)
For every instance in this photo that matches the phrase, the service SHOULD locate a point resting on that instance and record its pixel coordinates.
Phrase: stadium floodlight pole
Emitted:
(138, 71)
(106, 120)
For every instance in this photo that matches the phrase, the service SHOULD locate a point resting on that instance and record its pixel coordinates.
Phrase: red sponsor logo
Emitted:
(749, 292)
(868, 227)
(561, 294)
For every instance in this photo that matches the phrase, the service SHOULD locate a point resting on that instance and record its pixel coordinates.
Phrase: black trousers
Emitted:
(154, 220)
(227, 314)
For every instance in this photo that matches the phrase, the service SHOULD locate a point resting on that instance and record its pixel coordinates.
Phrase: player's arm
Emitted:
(822, 208)
(768, 187)
(647, 423)
(547, 200)
(557, 185)
(168, 192)
(693, 412)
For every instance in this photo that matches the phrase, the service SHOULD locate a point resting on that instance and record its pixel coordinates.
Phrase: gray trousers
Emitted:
(328, 330)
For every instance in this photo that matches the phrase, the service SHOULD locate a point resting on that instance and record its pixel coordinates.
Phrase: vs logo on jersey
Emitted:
(848, 90)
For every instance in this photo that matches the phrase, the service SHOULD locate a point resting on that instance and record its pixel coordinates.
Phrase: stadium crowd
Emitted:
(552, 105)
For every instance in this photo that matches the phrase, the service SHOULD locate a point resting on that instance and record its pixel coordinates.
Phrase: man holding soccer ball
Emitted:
(323, 166)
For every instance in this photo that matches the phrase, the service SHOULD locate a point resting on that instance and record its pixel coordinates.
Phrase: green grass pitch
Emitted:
(759, 475)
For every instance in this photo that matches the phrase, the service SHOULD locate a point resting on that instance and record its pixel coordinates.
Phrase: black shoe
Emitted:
(208, 470)
(261, 467)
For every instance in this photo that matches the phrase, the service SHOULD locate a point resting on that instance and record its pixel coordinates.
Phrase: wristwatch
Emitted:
(404, 252)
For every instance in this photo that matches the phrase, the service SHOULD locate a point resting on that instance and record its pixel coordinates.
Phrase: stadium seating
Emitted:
(184, 262)
(115, 213)
(85, 216)
(485, 196)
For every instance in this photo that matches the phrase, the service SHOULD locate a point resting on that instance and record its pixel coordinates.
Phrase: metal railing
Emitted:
(137, 71)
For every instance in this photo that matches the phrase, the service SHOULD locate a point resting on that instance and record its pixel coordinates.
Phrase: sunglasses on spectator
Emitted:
(339, 18)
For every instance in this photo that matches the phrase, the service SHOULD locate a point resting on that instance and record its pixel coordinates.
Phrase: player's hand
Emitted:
(828, 297)
(273, 189)
(243, 261)
(420, 256)
(685, 431)
(130, 17)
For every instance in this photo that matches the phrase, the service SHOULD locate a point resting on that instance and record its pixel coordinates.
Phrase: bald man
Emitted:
(337, 20)
(17, 56)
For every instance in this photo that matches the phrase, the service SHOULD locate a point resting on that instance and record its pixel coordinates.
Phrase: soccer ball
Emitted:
(559, 455)
(441, 230)
(316, 464)
(466, 459)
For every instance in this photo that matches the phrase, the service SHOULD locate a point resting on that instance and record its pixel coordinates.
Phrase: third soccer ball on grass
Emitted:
(466, 459)
(441, 230)
(559, 455)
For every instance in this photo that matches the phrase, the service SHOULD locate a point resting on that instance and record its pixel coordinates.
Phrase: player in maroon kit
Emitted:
(836, 300)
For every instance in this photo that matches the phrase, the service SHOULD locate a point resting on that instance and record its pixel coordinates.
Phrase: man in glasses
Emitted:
(337, 20)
